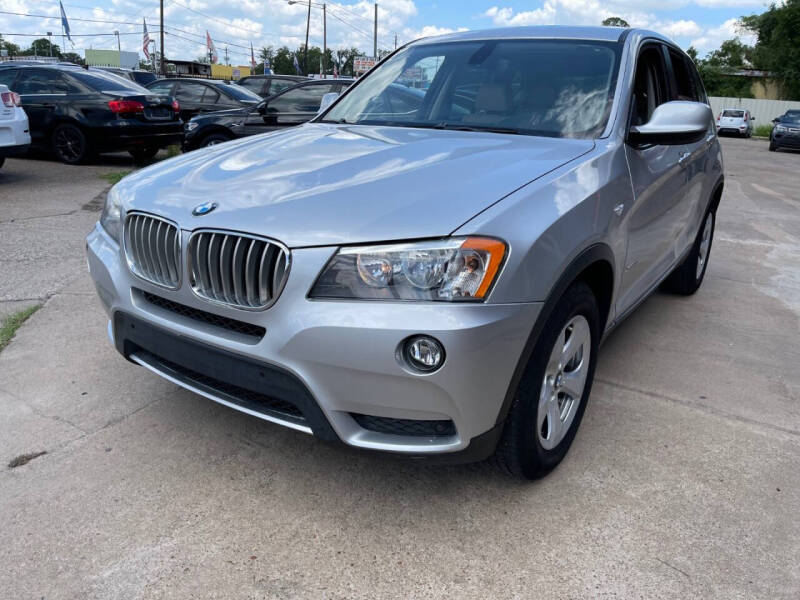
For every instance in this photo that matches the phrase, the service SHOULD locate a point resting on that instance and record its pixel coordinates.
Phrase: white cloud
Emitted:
(711, 38)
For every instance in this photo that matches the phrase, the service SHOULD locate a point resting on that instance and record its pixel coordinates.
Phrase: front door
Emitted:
(658, 176)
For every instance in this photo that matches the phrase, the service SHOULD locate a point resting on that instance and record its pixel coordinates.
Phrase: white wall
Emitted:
(762, 110)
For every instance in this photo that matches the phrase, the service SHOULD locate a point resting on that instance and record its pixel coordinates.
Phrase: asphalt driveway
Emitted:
(683, 482)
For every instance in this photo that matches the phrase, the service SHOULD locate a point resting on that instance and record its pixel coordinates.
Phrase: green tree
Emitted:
(718, 69)
(283, 61)
(72, 57)
(11, 49)
(777, 48)
(615, 22)
(41, 47)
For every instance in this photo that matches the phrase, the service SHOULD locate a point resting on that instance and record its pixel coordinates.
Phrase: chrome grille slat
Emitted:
(152, 249)
(236, 269)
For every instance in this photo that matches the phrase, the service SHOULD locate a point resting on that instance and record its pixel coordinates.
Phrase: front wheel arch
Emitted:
(594, 265)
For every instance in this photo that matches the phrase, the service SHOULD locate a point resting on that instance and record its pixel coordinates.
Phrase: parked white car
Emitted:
(15, 136)
(735, 120)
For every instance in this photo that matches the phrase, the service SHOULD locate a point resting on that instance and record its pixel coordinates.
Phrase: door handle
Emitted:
(683, 157)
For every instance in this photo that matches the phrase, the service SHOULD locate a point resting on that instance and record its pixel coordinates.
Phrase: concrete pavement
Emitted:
(683, 481)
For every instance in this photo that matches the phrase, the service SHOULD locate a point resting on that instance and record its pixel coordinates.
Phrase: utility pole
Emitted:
(50, 40)
(375, 40)
(395, 41)
(226, 56)
(308, 26)
(119, 48)
(324, 41)
(163, 68)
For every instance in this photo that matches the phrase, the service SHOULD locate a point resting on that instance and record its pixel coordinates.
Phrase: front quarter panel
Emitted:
(550, 222)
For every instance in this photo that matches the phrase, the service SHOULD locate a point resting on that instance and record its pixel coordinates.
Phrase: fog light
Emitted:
(423, 353)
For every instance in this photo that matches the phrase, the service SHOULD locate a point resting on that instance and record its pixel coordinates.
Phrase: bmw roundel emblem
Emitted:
(204, 208)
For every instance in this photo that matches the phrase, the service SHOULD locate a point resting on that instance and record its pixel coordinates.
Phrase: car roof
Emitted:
(560, 32)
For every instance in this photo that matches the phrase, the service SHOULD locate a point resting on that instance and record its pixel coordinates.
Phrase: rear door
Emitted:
(190, 96)
(43, 93)
(699, 163)
(658, 178)
(297, 105)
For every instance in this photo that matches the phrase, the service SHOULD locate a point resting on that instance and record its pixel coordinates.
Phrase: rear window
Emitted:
(107, 82)
(239, 92)
(736, 114)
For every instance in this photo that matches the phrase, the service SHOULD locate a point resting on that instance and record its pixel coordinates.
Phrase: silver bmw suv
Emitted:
(429, 266)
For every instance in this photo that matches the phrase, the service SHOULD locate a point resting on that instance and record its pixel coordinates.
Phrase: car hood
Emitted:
(322, 184)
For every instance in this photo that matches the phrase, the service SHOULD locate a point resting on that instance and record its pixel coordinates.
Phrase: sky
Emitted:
(236, 24)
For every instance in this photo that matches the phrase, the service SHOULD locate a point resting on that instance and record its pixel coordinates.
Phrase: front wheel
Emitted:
(70, 144)
(687, 277)
(2, 160)
(772, 146)
(551, 398)
(213, 139)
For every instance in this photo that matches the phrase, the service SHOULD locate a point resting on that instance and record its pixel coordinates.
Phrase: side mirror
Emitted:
(327, 100)
(675, 122)
(774, 121)
(262, 108)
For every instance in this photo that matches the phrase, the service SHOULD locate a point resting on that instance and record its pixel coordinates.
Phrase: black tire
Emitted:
(520, 452)
(144, 152)
(2, 160)
(686, 279)
(70, 144)
(212, 139)
(772, 146)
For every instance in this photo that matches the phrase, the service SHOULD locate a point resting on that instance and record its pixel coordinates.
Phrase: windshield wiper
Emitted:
(461, 127)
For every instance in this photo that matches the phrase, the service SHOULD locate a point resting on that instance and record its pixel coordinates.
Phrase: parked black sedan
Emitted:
(786, 131)
(76, 112)
(290, 107)
(269, 85)
(198, 96)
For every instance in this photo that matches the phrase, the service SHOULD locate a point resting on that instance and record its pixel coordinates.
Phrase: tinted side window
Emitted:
(650, 84)
(698, 83)
(187, 91)
(685, 88)
(41, 81)
(162, 87)
(304, 99)
(7, 77)
(278, 85)
(211, 96)
(254, 85)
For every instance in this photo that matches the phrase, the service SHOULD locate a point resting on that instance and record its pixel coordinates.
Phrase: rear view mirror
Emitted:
(327, 100)
(675, 122)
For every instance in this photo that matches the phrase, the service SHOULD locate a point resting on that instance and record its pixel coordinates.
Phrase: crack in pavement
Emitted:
(700, 406)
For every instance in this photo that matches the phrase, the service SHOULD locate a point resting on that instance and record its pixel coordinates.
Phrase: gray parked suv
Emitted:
(429, 279)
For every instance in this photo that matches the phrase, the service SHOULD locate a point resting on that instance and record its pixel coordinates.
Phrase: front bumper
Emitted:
(340, 356)
(786, 140)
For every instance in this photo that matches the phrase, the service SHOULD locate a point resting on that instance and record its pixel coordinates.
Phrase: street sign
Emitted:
(362, 64)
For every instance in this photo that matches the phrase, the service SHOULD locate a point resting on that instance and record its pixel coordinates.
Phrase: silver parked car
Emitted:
(737, 121)
(429, 278)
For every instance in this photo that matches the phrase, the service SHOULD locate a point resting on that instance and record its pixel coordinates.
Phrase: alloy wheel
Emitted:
(705, 245)
(69, 144)
(564, 382)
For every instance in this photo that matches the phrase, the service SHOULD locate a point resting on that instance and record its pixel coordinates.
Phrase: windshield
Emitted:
(791, 116)
(240, 93)
(107, 82)
(537, 87)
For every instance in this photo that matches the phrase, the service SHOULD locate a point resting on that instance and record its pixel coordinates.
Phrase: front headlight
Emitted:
(780, 128)
(190, 126)
(453, 270)
(111, 218)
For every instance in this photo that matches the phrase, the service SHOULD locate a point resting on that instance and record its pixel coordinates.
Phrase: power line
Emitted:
(227, 23)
